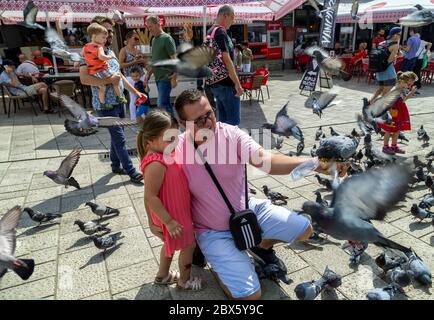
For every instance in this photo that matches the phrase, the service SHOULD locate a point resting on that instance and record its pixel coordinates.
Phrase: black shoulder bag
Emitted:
(243, 225)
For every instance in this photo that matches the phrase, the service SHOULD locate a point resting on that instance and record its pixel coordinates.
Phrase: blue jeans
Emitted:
(118, 151)
(228, 105)
(408, 64)
(164, 88)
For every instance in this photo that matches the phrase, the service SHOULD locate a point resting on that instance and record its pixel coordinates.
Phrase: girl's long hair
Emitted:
(153, 126)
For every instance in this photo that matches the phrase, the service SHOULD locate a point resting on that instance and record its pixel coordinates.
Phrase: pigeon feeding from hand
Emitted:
(276, 197)
(101, 210)
(333, 66)
(310, 290)
(191, 61)
(62, 175)
(319, 133)
(366, 196)
(58, 47)
(420, 213)
(339, 148)
(324, 182)
(40, 216)
(30, 13)
(91, 227)
(108, 242)
(86, 123)
(318, 101)
(285, 126)
(420, 17)
(22, 267)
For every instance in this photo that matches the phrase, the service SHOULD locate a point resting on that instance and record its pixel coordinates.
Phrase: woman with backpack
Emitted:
(386, 78)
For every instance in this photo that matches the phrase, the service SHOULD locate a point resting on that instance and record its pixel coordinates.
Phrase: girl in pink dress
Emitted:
(167, 199)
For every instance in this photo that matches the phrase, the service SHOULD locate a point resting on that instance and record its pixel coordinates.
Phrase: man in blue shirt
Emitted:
(411, 48)
(121, 161)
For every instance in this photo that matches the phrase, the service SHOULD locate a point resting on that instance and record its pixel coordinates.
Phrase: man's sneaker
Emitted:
(269, 257)
(388, 150)
(398, 150)
(119, 171)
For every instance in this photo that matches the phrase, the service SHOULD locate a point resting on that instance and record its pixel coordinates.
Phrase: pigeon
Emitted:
(355, 10)
(39, 216)
(118, 17)
(427, 201)
(354, 133)
(420, 213)
(417, 163)
(323, 136)
(389, 262)
(428, 182)
(300, 148)
(63, 175)
(191, 61)
(105, 243)
(279, 143)
(386, 293)
(333, 132)
(320, 200)
(399, 276)
(252, 191)
(339, 148)
(22, 267)
(285, 126)
(270, 271)
(402, 137)
(89, 228)
(276, 197)
(86, 123)
(421, 131)
(318, 101)
(429, 166)
(366, 196)
(101, 210)
(324, 182)
(379, 107)
(30, 13)
(430, 154)
(419, 18)
(359, 156)
(418, 270)
(425, 138)
(356, 249)
(354, 169)
(318, 133)
(58, 48)
(310, 290)
(420, 175)
(334, 66)
(313, 151)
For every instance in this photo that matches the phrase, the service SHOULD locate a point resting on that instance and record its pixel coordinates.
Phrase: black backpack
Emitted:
(378, 58)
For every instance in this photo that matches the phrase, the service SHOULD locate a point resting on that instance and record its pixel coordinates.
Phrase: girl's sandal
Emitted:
(171, 278)
(193, 284)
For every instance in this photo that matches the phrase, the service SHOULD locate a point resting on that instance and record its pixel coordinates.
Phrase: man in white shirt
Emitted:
(424, 48)
(26, 67)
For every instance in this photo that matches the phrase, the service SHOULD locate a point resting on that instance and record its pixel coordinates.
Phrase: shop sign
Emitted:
(328, 23)
(275, 25)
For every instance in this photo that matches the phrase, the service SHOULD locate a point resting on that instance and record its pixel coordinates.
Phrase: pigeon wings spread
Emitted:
(323, 99)
(383, 104)
(8, 223)
(371, 194)
(329, 63)
(30, 13)
(283, 122)
(68, 164)
(58, 46)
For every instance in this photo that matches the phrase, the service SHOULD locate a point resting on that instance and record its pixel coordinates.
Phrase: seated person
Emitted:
(40, 60)
(9, 78)
(27, 68)
(338, 49)
(136, 79)
(96, 61)
(361, 54)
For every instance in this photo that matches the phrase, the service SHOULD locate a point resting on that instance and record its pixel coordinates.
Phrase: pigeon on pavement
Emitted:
(22, 267)
(101, 210)
(420, 213)
(105, 243)
(310, 290)
(276, 197)
(40, 216)
(62, 175)
(318, 133)
(91, 227)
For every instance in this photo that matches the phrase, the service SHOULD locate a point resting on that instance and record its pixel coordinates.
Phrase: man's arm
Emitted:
(89, 80)
(232, 73)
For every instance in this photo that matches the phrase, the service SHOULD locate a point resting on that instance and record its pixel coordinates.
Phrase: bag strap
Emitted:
(217, 184)
(215, 30)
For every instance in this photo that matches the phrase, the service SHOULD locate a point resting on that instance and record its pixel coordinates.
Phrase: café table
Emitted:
(75, 76)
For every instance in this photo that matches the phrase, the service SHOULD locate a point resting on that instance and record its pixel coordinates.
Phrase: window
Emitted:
(257, 32)
(275, 38)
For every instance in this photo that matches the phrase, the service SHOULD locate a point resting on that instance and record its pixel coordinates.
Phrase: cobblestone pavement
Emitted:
(70, 267)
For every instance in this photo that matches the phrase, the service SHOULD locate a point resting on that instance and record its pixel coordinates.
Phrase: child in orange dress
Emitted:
(96, 61)
(399, 112)
(167, 199)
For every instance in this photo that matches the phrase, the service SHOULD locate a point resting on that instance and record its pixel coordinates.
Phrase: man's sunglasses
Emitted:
(200, 122)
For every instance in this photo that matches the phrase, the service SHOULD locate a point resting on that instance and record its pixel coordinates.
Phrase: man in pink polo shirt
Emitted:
(227, 148)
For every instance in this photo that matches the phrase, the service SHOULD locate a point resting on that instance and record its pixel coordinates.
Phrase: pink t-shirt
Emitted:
(226, 152)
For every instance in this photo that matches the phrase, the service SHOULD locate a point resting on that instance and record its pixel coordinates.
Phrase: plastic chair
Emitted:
(263, 72)
(254, 85)
(17, 99)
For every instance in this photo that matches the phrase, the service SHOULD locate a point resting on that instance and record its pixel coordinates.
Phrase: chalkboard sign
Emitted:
(310, 76)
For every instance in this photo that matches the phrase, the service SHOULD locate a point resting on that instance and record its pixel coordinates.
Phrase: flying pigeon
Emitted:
(87, 123)
(101, 210)
(89, 228)
(40, 216)
(355, 10)
(418, 270)
(310, 290)
(191, 61)
(105, 243)
(420, 213)
(386, 293)
(371, 112)
(334, 66)
(419, 18)
(118, 17)
(276, 197)
(22, 267)
(63, 175)
(285, 126)
(366, 196)
(30, 13)
(318, 101)
(339, 148)
(318, 133)
(58, 48)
